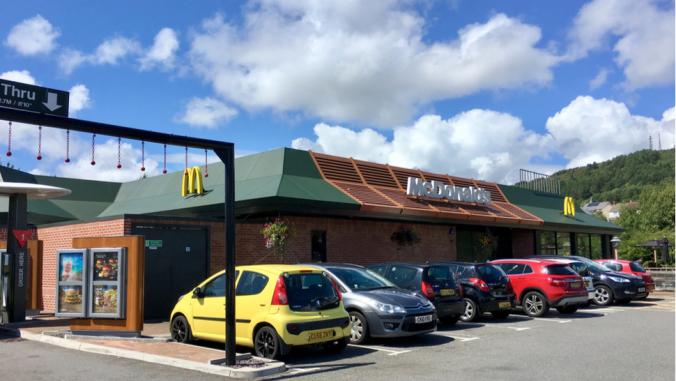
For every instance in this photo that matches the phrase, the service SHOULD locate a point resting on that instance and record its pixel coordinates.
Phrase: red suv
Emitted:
(540, 284)
(630, 267)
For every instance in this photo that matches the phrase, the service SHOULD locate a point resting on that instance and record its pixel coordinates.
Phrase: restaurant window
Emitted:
(318, 246)
(563, 243)
(547, 243)
(595, 246)
(583, 245)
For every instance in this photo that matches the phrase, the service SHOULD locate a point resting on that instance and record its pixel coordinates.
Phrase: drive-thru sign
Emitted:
(25, 97)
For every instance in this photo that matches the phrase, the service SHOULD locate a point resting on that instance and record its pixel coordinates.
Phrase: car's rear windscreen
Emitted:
(560, 270)
(440, 276)
(490, 273)
(310, 292)
(635, 266)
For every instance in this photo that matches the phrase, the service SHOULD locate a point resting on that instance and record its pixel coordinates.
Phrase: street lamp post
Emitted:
(615, 241)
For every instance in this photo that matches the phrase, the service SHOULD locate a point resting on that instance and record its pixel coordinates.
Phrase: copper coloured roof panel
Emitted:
(399, 197)
(364, 194)
(376, 174)
(336, 168)
(496, 193)
(402, 175)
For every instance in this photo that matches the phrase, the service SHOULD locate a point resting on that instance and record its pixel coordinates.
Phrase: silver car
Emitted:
(580, 268)
(377, 307)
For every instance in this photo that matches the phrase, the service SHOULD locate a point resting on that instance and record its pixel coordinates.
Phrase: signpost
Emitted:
(38, 99)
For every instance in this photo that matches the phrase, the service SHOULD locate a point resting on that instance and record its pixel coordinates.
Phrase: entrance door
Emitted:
(176, 260)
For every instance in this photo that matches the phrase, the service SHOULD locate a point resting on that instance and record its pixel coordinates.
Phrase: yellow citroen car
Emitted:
(276, 307)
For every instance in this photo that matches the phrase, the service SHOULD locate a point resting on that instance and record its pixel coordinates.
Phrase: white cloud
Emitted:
(644, 32)
(490, 145)
(79, 99)
(478, 143)
(109, 52)
(206, 112)
(23, 76)
(106, 160)
(592, 130)
(33, 36)
(163, 51)
(599, 80)
(329, 59)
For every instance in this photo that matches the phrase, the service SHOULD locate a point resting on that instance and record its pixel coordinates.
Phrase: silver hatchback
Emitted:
(377, 307)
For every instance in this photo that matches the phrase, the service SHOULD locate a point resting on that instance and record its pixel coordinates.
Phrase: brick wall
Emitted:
(61, 237)
(523, 243)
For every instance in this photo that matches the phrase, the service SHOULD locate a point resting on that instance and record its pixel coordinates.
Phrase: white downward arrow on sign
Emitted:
(51, 102)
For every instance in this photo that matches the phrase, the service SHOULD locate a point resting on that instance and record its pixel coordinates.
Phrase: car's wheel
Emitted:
(603, 296)
(180, 329)
(449, 320)
(471, 311)
(567, 309)
(267, 343)
(337, 346)
(500, 314)
(360, 328)
(535, 304)
(623, 301)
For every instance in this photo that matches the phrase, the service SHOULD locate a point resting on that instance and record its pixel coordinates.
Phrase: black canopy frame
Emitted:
(224, 150)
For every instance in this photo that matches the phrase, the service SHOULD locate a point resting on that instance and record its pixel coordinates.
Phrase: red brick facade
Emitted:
(348, 240)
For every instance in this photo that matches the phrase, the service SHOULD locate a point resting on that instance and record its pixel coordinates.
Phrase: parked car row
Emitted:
(279, 307)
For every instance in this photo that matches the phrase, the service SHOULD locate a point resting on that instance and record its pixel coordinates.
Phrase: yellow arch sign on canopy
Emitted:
(568, 206)
(192, 182)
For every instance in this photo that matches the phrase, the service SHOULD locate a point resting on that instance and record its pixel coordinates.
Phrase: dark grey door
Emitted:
(176, 260)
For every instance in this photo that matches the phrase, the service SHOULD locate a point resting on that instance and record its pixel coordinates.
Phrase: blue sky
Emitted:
(472, 88)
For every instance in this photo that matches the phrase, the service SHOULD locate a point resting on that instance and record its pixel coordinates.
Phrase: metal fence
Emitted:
(538, 182)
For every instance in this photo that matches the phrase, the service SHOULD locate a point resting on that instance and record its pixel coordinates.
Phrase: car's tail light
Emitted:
(335, 287)
(461, 291)
(508, 287)
(279, 296)
(647, 278)
(427, 290)
(556, 282)
(480, 284)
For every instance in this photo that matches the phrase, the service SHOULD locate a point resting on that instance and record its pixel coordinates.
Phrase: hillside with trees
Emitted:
(645, 176)
(620, 179)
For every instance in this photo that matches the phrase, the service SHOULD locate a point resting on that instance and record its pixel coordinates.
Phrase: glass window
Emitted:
(490, 273)
(560, 270)
(547, 244)
(251, 283)
(635, 266)
(359, 279)
(583, 245)
(527, 269)
(216, 287)
(580, 268)
(440, 275)
(563, 243)
(513, 268)
(595, 247)
(465, 272)
(404, 276)
(310, 292)
(613, 266)
(378, 269)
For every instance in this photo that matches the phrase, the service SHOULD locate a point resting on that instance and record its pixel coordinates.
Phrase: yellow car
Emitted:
(277, 307)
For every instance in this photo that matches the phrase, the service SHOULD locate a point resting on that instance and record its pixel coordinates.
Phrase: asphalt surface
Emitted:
(617, 343)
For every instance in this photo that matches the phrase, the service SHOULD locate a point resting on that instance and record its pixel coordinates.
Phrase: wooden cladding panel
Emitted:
(496, 194)
(403, 175)
(364, 194)
(338, 170)
(375, 174)
(518, 212)
(399, 197)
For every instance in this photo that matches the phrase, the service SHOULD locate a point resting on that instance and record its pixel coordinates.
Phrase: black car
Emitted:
(486, 288)
(610, 286)
(435, 282)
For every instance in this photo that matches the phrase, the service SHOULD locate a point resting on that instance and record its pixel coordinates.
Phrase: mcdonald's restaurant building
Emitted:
(337, 209)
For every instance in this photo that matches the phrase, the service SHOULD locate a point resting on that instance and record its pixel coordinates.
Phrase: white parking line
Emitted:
(456, 337)
(294, 370)
(518, 329)
(390, 352)
(553, 320)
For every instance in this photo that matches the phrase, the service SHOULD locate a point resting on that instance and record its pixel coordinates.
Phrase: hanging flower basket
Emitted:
(405, 236)
(275, 236)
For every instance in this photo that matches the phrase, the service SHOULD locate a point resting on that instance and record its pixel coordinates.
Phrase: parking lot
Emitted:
(633, 341)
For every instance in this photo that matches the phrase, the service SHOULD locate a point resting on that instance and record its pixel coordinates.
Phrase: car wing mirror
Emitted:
(198, 292)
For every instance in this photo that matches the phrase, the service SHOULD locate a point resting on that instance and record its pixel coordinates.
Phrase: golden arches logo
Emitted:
(568, 206)
(192, 182)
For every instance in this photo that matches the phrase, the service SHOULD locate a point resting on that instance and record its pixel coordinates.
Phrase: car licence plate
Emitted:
(447, 292)
(423, 319)
(641, 289)
(505, 305)
(320, 335)
(575, 285)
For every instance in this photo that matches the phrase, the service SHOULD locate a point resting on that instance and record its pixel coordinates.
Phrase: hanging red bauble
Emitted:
(39, 157)
(206, 164)
(164, 163)
(9, 140)
(93, 162)
(119, 143)
(143, 156)
(67, 146)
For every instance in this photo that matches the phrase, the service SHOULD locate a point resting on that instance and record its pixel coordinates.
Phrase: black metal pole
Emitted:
(17, 218)
(227, 156)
